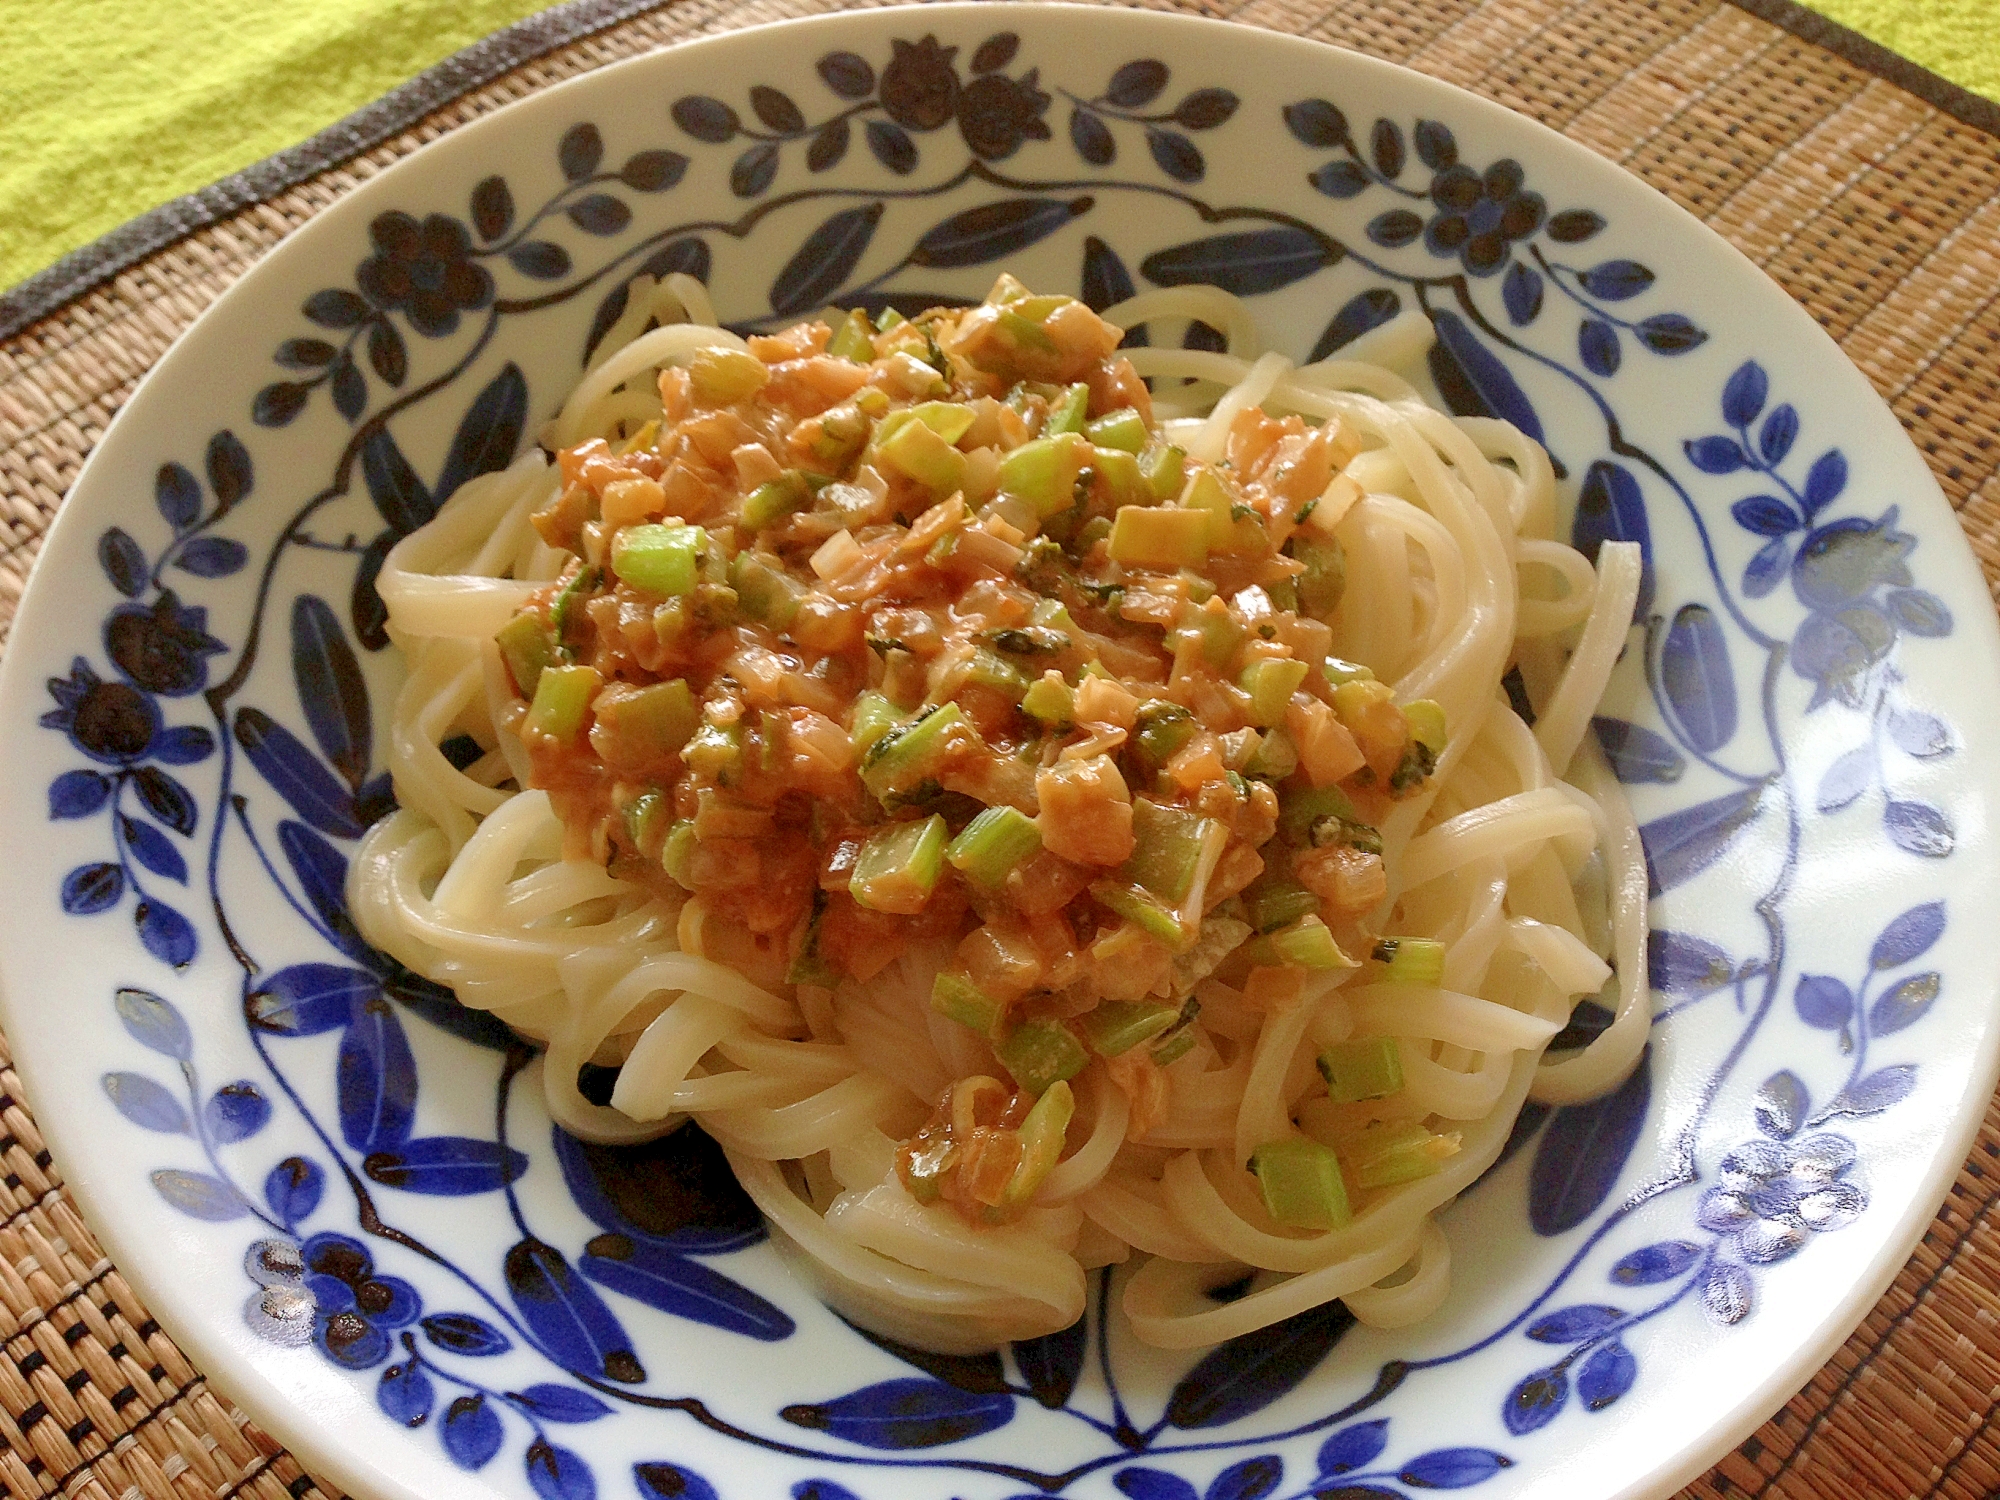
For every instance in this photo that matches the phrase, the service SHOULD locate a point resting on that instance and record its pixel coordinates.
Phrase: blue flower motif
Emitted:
(108, 721)
(1480, 216)
(1853, 575)
(355, 1310)
(1770, 1197)
(162, 647)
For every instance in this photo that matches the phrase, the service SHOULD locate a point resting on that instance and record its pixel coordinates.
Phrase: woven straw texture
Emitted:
(1879, 212)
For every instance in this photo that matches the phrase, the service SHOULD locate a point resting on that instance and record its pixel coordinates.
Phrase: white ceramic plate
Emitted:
(346, 1216)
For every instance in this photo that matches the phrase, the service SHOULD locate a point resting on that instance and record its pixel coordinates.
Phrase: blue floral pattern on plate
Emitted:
(499, 1354)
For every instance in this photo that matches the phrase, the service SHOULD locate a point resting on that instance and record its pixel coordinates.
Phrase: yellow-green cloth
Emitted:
(112, 107)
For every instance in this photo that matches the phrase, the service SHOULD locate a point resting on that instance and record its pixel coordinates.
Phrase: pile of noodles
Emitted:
(1520, 855)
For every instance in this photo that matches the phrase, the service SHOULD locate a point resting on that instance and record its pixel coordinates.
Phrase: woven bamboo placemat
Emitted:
(1876, 208)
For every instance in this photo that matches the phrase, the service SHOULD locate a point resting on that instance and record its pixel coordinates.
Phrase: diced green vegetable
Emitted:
(1124, 429)
(1143, 909)
(907, 754)
(1396, 1151)
(721, 377)
(1162, 729)
(898, 866)
(1325, 577)
(1040, 1054)
(656, 720)
(1043, 1135)
(1165, 468)
(1309, 944)
(990, 671)
(1339, 672)
(889, 318)
(1411, 960)
(1176, 1046)
(776, 499)
(716, 752)
(1050, 699)
(562, 700)
(764, 591)
(843, 433)
(644, 817)
(874, 716)
(811, 966)
(1120, 477)
(1166, 847)
(957, 997)
(1271, 904)
(917, 450)
(1418, 761)
(1299, 810)
(854, 339)
(927, 1164)
(1066, 413)
(581, 582)
(1301, 1183)
(527, 646)
(1043, 473)
(1117, 1026)
(1033, 640)
(993, 844)
(677, 853)
(1149, 537)
(1270, 682)
(950, 420)
(1366, 1068)
(1275, 757)
(1427, 727)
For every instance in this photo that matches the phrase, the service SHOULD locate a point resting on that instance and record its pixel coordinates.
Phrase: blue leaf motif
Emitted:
(1536, 1401)
(1570, 1325)
(77, 795)
(1473, 380)
(1825, 480)
(539, 259)
(293, 1188)
(1638, 754)
(165, 933)
(1105, 280)
(1610, 508)
(1780, 1105)
(1726, 1294)
(153, 849)
(399, 495)
(1176, 155)
(1091, 137)
(1452, 1468)
(177, 493)
(1908, 936)
(902, 1414)
(446, 1166)
(1905, 1004)
(1766, 515)
(1767, 569)
(686, 1288)
(991, 231)
(376, 1078)
(676, 1191)
(982, 1374)
(123, 563)
(406, 1394)
(145, 1103)
(825, 261)
(235, 1112)
(1316, 123)
(1680, 845)
(1919, 612)
(580, 151)
(296, 774)
(1339, 178)
(1385, 143)
(567, 1316)
(462, 1333)
(183, 746)
(1246, 264)
(199, 1195)
(1779, 432)
(1698, 679)
(1252, 1479)
(892, 147)
(1606, 1375)
(155, 1024)
(711, 120)
(331, 688)
(1353, 1447)
(1744, 394)
(1052, 1363)
(1521, 294)
(1394, 229)
(555, 1473)
(1137, 83)
(672, 1482)
(471, 1432)
(1153, 1484)
(1360, 313)
(1651, 1264)
(1248, 1373)
(309, 999)
(559, 1403)
(1846, 779)
(1715, 455)
(212, 557)
(599, 213)
(1918, 828)
(1582, 1152)
(1616, 280)
(1597, 347)
(1823, 1001)
(92, 888)
(1669, 334)
(1877, 1092)
(1679, 964)
(490, 432)
(169, 801)
(1436, 147)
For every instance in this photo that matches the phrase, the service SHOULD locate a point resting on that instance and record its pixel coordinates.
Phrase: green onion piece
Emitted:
(527, 646)
(1270, 682)
(854, 340)
(1043, 473)
(909, 753)
(1271, 904)
(1148, 537)
(677, 853)
(643, 817)
(1117, 1026)
(1163, 728)
(1284, 594)
(1051, 615)
(917, 450)
(1396, 1151)
(812, 966)
(950, 420)
(955, 996)
(1299, 811)
(925, 1167)
(1050, 699)
(1177, 1045)
(771, 502)
(843, 433)
(1119, 473)
(1309, 944)
(656, 720)
(1418, 762)
(1124, 429)
(1412, 960)
(1166, 847)
(1325, 577)
(716, 753)
(1067, 413)
(722, 377)
(993, 845)
(889, 318)
(898, 866)
(581, 583)
(562, 699)
(990, 671)
(1367, 1068)
(1141, 908)
(1301, 1183)
(1040, 1054)
(874, 716)
(1165, 468)
(764, 591)
(1339, 672)
(1043, 1135)
(1426, 718)
(1220, 636)
(1275, 757)
(664, 560)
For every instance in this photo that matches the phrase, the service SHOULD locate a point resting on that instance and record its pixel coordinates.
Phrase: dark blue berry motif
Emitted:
(356, 1310)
